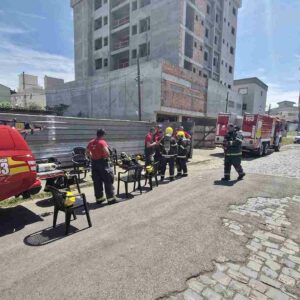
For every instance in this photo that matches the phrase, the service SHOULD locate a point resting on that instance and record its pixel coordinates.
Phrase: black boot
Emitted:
(241, 176)
(178, 175)
(226, 178)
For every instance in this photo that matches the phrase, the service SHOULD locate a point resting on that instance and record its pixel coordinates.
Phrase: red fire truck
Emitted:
(222, 122)
(261, 133)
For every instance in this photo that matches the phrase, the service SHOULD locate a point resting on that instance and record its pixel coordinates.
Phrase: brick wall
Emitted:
(179, 96)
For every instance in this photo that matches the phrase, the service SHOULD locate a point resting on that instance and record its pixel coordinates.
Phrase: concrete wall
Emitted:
(51, 82)
(4, 93)
(112, 96)
(216, 99)
(255, 99)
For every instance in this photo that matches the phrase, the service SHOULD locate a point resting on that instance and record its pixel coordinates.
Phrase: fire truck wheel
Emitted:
(260, 150)
(277, 148)
(266, 149)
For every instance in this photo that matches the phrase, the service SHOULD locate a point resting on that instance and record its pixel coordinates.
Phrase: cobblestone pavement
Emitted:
(284, 163)
(272, 269)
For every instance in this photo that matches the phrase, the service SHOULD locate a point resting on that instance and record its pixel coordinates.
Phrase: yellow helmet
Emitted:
(180, 134)
(169, 130)
(70, 199)
(149, 169)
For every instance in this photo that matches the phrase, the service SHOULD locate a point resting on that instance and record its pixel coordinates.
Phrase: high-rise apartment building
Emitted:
(198, 35)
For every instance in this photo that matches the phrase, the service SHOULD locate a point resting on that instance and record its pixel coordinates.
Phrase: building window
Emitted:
(195, 44)
(224, 20)
(134, 29)
(233, 30)
(228, 24)
(196, 17)
(208, 9)
(187, 65)
(98, 23)
(206, 32)
(243, 91)
(222, 62)
(98, 63)
(229, 86)
(105, 21)
(205, 75)
(216, 40)
(134, 54)
(105, 62)
(261, 93)
(231, 104)
(144, 3)
(223, 41)
(97, 4)
(202, 23)
(143, 50)
(206, 56)
(215, 61)
(98, 44)
(226, 65)
(134, 5)
(244, 106)
(144, 25)
(105, 41)
(200, 73)
(194, 70)
(201, 48)
(234, 11)
(230, 69)
(217, 18)
(231, 50)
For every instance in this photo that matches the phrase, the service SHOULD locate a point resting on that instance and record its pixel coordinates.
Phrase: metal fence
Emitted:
(61, 134)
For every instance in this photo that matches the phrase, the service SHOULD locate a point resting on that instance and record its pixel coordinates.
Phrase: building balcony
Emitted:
(121, 44)
(116, 3)
(120, 22)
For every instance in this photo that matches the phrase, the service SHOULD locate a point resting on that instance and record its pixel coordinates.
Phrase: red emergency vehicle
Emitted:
(222, 122)
(17, 165)
(261, 133)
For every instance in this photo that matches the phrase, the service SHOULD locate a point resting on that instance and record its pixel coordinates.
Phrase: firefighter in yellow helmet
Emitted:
(168, 150)
(181, 159)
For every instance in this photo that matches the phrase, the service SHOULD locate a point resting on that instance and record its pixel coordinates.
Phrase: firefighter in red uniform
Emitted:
(102, 172)
(150, 145)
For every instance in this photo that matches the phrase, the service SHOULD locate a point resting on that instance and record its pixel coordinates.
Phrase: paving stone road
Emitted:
(272, 269)
(284, 163)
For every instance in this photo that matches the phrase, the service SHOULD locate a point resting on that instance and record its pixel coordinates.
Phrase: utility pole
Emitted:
(139, 86)
(23, 74)
(299, 112)
(269, 110)
(227, 100)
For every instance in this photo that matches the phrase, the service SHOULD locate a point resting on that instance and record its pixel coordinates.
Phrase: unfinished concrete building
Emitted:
(196, 35)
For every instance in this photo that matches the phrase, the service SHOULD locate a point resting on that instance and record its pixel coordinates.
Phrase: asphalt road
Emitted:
(144, 248)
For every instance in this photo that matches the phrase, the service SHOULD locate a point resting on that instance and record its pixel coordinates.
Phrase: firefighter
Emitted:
(150, 145)
(182, 155)
(102, 172)
(168, 150)
(233, 153)
(158, 136)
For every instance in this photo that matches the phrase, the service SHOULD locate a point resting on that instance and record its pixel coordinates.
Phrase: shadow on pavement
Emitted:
(49, 235)
(217, 154)
(226, 183)
(45, 203)
(13, 219)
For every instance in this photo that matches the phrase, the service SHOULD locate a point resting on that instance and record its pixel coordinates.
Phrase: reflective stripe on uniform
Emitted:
(233, 154)
(167, 156)
(181, 156)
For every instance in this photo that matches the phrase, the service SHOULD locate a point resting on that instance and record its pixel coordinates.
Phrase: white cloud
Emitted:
(276, 93)
(15, 59)
(28, 15)
(11, 30)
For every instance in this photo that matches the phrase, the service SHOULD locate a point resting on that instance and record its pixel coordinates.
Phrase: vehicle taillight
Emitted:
(32, 165)
(26, 157)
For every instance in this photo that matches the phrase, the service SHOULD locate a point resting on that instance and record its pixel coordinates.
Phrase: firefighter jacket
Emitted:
(182, 148)
(233, 144)
(168, 146)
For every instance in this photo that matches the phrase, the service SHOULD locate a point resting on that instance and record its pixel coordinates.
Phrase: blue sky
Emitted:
(36, 36)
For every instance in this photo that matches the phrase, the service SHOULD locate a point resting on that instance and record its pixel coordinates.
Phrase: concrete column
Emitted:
(180, 118)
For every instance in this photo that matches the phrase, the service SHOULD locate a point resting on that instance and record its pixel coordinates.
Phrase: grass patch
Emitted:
(287, 140)
(16, 201)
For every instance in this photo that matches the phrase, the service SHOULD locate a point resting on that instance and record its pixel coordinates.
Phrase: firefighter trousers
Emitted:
(163, 166)
(233, 161)
(181, 166)
(103, 174)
